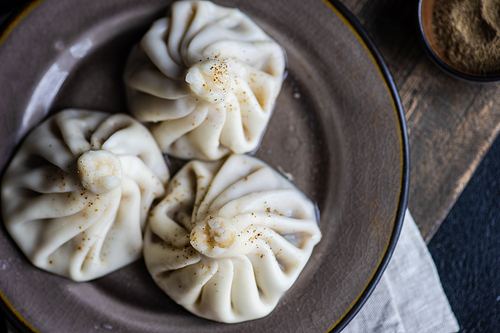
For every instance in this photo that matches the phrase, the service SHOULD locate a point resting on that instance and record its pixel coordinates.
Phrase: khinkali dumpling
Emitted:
(76, 195)
(205, 78)
(229, 238)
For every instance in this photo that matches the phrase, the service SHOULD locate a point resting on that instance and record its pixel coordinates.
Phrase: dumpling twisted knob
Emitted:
(209, 80)
(100, 171)
(214, 237)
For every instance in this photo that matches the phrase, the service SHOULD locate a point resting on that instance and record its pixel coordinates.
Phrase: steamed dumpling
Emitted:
(205, 78)
(229, 238)
(77, 193)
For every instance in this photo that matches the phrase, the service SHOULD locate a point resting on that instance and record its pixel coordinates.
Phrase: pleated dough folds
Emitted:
(76, 195)
(229, 238)
(205, 79)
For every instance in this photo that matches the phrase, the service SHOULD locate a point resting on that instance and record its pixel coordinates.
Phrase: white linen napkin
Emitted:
(409, 297)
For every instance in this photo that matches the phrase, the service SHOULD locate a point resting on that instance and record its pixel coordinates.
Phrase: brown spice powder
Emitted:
(467, 32)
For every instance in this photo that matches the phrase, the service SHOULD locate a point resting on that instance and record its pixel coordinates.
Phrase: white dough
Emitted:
(76, 195)
(229, 238)
(100, 171)
(205, 78)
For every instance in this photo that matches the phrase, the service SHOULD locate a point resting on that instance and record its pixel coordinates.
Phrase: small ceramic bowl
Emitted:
(426, 35)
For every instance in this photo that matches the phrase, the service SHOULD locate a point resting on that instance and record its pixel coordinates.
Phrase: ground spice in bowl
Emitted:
(467, 34)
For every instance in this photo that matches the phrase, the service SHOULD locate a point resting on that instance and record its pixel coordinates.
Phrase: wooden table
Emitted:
(451, 123)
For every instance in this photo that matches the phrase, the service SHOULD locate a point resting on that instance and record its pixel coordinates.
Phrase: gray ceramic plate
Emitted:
(338, 128)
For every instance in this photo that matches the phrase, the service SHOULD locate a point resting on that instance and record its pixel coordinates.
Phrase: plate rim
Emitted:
(15, 319)
(357, 28)
(12, 316)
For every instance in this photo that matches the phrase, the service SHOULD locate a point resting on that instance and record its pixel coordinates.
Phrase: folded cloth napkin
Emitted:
(409, 297)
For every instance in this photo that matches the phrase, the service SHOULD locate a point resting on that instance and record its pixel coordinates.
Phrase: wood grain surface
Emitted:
(451, 123)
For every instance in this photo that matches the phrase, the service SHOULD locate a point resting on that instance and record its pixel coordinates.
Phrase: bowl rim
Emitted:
(442, 64)
(19, 323)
